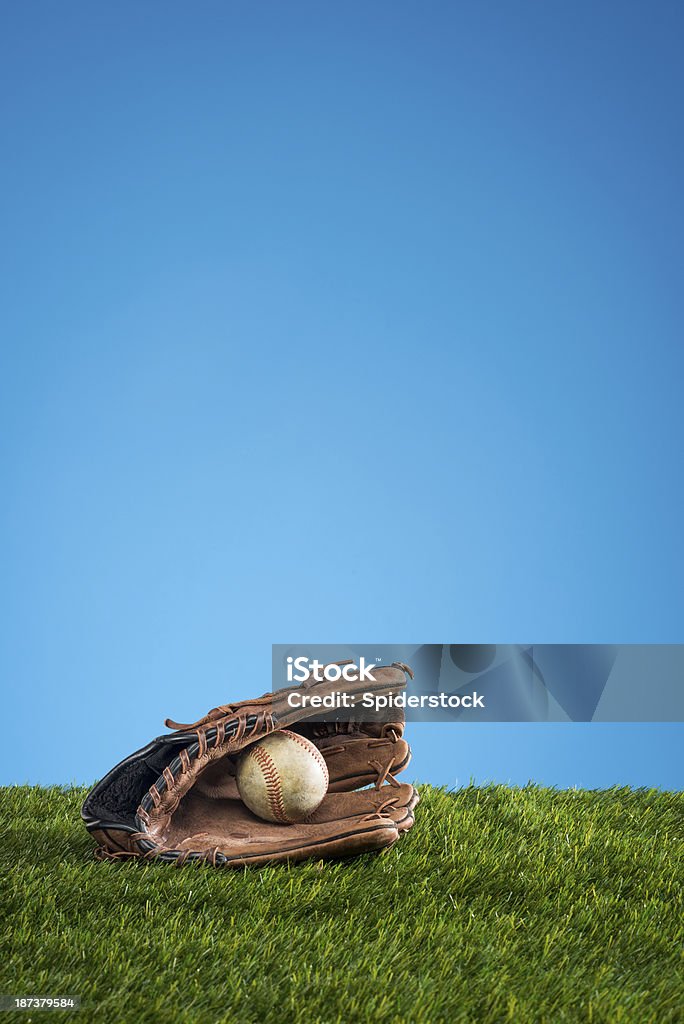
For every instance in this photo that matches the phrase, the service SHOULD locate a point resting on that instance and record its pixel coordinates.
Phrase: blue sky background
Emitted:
(354, 322)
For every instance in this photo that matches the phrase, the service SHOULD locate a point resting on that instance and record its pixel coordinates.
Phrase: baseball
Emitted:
(282, 778)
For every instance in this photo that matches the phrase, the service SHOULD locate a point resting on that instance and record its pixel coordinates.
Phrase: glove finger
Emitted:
(361, 761)
(396, 802)
(374, 723)
(283, 708)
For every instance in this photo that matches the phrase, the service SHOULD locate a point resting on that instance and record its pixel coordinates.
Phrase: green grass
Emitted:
(500, 905)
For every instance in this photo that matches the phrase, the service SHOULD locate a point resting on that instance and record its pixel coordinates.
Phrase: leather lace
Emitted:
(222, 711)
(384, 773)
(379, 811)
(219, 717)
(103, 853)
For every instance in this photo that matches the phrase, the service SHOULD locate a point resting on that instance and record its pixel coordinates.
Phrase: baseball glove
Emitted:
(176, 799)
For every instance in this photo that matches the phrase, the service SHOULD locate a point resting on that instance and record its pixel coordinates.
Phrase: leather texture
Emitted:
(176, 799)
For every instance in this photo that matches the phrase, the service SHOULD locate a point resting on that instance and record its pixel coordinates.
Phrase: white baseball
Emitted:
(282, 778)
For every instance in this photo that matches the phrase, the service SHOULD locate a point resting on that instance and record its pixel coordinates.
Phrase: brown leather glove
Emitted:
(176, 799)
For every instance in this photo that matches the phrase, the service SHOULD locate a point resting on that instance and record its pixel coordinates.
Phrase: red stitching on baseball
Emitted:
(272, 780)
(312, 748)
